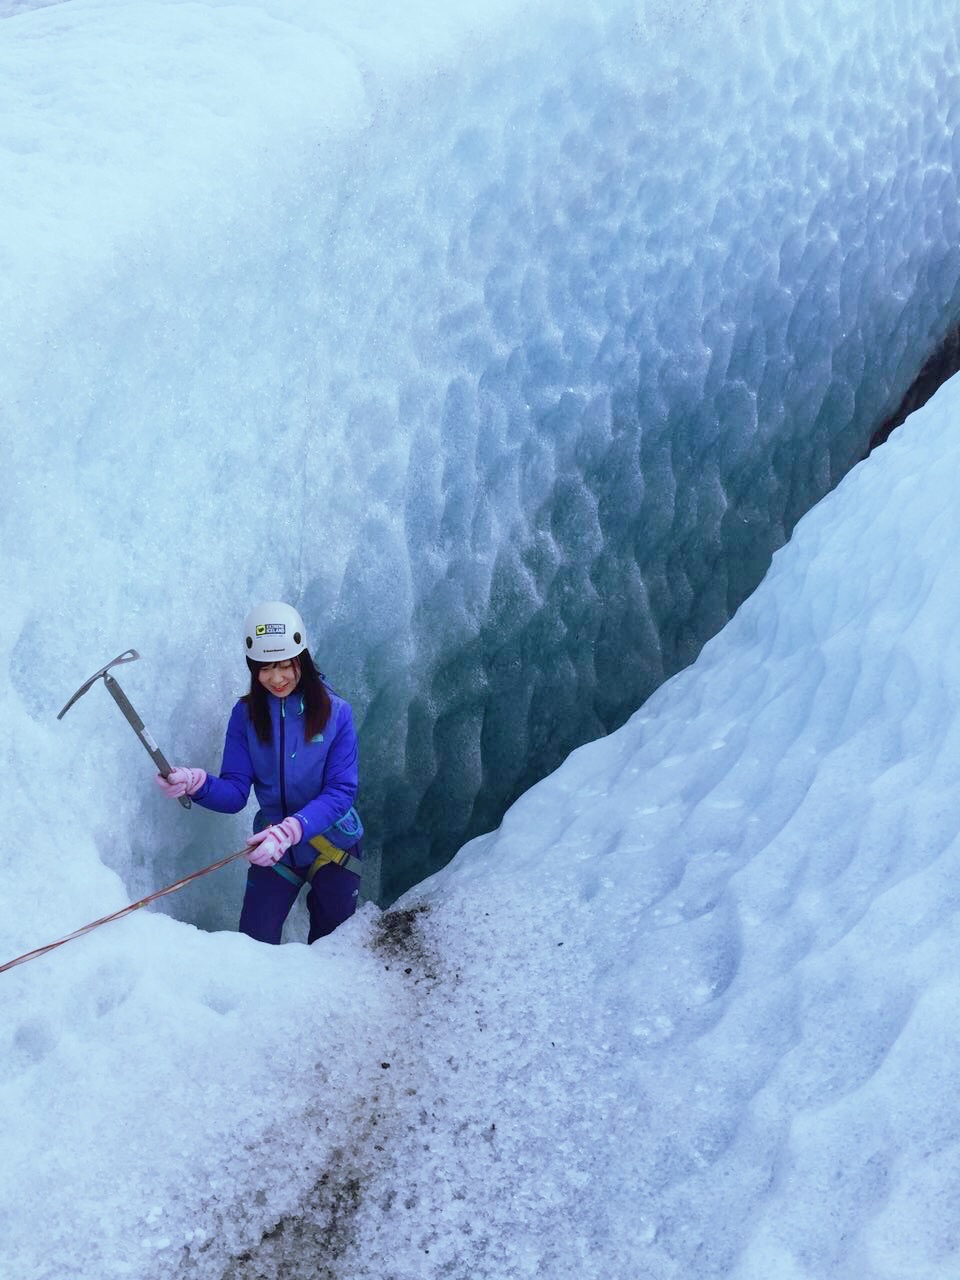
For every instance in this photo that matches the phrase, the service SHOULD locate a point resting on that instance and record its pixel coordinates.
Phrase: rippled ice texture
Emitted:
(695, 999)
(423, 342)
(508, 344)
(688, 1012)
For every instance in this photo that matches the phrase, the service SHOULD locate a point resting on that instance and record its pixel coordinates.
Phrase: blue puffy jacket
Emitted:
(313, 781)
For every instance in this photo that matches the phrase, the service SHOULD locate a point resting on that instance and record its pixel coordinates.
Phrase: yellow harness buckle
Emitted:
(328, 852)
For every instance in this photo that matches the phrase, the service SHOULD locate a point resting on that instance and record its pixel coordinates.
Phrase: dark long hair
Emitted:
(310, 687)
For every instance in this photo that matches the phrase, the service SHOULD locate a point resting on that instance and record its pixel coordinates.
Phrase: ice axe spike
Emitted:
(123, 702)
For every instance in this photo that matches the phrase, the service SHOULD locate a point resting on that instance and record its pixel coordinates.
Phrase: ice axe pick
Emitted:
(123, 702)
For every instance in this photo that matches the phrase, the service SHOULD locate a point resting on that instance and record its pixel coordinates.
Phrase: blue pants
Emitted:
(332, 898)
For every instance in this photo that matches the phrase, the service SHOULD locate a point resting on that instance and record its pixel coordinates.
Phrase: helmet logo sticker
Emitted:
(271, 628)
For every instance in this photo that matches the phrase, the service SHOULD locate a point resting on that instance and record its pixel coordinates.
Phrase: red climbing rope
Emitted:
(125, 911)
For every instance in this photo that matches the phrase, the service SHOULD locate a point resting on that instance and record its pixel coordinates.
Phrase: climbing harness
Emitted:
(326, 852)
(125, 911)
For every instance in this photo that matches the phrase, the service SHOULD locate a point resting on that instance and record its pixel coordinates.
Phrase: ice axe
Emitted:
(123, 702)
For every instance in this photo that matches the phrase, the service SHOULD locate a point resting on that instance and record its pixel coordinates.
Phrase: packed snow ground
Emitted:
(686, 1013)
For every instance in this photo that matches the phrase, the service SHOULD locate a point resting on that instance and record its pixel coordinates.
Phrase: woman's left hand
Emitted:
(269, 845)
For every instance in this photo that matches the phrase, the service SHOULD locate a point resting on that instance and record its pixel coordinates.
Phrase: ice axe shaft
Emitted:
(141, 730)
(123, 702)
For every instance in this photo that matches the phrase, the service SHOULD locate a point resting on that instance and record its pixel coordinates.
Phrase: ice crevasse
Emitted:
(511, 346)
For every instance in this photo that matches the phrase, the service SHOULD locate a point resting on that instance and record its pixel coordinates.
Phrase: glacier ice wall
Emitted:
(688, 1013)
(654, 311)
(509, 346)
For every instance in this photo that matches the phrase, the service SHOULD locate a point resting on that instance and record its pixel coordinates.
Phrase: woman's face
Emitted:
(280, 678)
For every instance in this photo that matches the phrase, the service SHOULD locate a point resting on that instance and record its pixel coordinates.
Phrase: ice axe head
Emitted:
(123, 702)
(128, 655)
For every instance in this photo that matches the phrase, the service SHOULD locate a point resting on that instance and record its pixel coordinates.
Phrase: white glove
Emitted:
(181, 781)
(272, 843)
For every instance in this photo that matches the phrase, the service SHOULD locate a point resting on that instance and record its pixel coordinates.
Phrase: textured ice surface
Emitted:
(510, 346)
(10, 8)
(688, 1012)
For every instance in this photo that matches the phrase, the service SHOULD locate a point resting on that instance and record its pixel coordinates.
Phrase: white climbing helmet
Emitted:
(274, 632)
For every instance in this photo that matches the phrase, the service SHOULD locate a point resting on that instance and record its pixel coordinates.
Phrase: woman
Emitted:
(292, 739)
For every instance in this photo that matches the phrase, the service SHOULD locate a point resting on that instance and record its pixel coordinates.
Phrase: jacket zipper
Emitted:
(283, 752)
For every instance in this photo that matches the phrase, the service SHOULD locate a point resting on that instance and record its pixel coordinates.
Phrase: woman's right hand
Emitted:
(181, 781)
(267, 847)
